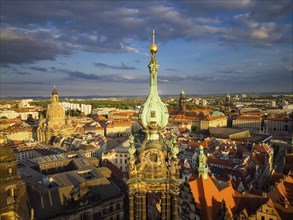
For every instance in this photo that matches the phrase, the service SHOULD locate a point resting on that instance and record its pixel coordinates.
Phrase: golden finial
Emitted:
(153, 47)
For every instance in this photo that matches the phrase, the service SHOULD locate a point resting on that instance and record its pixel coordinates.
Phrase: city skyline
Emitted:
(102, 48)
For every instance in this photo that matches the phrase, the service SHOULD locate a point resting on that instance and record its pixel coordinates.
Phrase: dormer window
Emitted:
(153, 114)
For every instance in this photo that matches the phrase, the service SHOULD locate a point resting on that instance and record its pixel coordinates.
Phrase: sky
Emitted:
(102, 47)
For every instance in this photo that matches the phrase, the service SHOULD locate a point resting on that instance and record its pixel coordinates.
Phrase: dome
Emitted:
(55, 112)
(217, 113)
(153, 114)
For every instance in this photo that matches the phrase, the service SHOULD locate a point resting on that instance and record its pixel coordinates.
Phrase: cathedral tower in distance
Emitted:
(153, 167)
(182, 102)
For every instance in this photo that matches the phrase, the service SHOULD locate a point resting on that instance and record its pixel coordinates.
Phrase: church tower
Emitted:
(182, 101)
(203, 169)
(55, 119)
(227, 105)
(12, 188)
(153, 165)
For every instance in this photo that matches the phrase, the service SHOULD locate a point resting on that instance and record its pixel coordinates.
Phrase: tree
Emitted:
(195, 128)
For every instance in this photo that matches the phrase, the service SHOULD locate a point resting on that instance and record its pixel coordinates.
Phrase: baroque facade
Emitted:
(55, 122)
(153, 166)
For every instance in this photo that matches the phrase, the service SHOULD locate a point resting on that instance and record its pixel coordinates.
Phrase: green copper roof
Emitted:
(153, 115)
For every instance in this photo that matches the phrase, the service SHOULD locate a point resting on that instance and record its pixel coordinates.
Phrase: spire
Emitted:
(54, 96)
(182, 92)
(153, 49)
(153, 115)
(54, 92)
(202, 164)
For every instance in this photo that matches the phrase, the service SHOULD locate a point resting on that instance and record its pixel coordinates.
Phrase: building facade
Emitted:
(119, 156)
(12, 189)
(251, 122)
(55, 123)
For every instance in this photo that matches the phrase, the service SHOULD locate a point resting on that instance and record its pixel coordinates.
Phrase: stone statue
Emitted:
(131, 148)
(174, 148)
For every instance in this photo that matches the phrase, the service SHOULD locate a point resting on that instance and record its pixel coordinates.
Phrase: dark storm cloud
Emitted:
(121, 67)
(26, 47)
(101, 26)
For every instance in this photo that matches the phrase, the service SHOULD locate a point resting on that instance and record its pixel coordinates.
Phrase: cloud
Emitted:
(80, 75)
(168, 78)
(121, 67)
(112, 27)
(259, 34)
(24, 82)
(230, 71)
(73, 75)
(26, 47)
(8, 71)
(172, 70)
(37, 68)
(22, 73)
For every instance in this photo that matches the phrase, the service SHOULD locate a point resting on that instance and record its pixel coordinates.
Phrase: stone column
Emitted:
(175, 206)
(163, 206)
(139, 206)
(143, 206)
(168, 206)
(131, 206)
(136, 211)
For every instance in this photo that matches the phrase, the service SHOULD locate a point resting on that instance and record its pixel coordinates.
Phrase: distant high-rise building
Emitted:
(153, 165)
(86, 109)
(204, 102)
(182, 101)
(273, 103)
